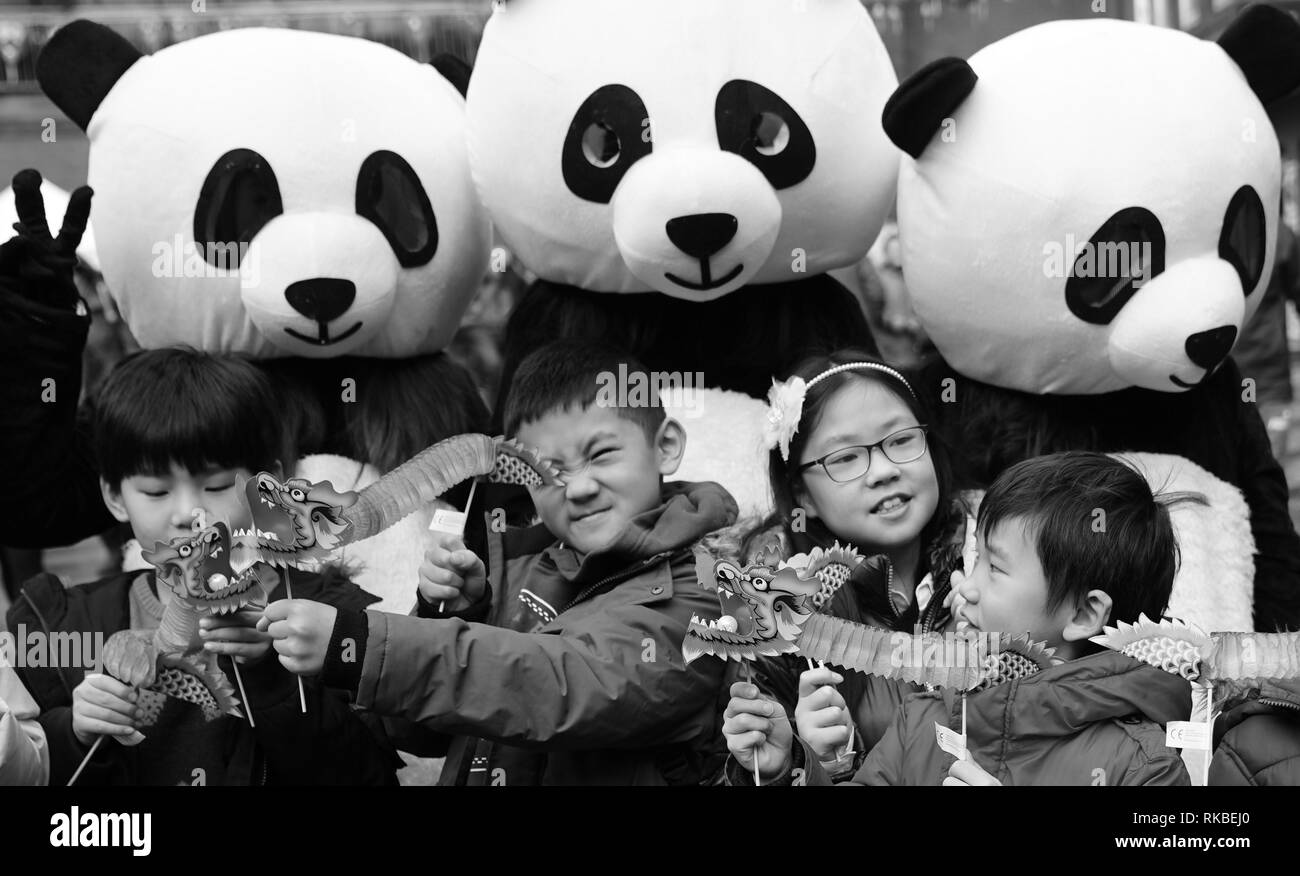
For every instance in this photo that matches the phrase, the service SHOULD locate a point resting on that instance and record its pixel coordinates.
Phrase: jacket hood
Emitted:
(689, 512)
(1067, 698)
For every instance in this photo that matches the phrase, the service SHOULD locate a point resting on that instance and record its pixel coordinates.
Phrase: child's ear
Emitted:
(1089, 618)
(670, 446)
(803, 499)
(113, 501)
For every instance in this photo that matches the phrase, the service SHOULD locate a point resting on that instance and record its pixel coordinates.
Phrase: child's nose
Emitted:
(580, 486)
(186, 508)
(880, 469)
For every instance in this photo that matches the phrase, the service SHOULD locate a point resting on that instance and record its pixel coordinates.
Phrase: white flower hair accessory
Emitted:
(784, 409)
(785, 402)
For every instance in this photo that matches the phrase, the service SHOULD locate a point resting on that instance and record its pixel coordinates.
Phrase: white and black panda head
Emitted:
(275, 192)
(1093, 205)
(686, 146)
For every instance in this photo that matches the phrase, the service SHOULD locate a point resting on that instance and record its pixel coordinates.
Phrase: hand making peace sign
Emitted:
(34, 264)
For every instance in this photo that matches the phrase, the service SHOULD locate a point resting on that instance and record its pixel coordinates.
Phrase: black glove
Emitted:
(35, 265)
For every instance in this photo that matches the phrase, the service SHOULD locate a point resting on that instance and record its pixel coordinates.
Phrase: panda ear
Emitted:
(918, 108)
(80, 65)
(1265, 43)
(454, 70)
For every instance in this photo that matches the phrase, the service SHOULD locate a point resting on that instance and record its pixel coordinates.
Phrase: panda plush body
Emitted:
(258, 193)
(680, 177)
(1088, 211)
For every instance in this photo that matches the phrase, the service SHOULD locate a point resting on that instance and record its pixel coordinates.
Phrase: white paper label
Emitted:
(950, 741)
(1188, 734)
(448, 521)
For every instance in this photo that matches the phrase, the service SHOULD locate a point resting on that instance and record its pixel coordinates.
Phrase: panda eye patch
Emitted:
(755, 123)
(1242, 242)
(609, 133)
(1125, 252)
(239, 196)
(390, 194)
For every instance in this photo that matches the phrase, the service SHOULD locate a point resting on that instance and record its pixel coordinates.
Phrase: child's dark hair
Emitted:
(784, 476)
(1095, 526)
(181, 406)
(579, 374)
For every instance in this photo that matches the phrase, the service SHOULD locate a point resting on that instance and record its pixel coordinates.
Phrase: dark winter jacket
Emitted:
(1258, 740)
(576, 676)
(329, 744)
(1097, 720)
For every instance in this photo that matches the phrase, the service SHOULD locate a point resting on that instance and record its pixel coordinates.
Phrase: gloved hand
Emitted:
(33, 264)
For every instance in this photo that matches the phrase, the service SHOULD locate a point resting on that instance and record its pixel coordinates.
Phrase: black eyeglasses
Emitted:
(850, 463)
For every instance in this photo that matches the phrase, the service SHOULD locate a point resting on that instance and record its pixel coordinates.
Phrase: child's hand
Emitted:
(451, 574)
(756, 726)
(822, 715)
(235, 634)
(967, 772)
(301, 632)
(102, 706)
(954, 601)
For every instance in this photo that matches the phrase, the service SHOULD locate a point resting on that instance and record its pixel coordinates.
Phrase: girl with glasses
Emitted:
(853, 462)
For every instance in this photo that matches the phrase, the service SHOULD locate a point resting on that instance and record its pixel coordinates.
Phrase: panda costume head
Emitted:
(275, 192)
(1088, 212)
(680, 176)
(1087, 206)
(685, 147)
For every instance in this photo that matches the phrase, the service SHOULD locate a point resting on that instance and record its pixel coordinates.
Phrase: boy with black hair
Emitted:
(1068, 543)
(176, 432)
(559, 660)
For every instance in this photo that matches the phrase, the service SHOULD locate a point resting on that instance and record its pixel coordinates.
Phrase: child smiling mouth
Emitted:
(891, 504)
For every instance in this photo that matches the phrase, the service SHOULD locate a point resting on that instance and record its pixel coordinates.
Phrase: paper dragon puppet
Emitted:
(771, 610)
(296, 523)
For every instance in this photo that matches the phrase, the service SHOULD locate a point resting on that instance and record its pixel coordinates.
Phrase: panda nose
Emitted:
(702, 234)
(1207, 349)
(321, 299)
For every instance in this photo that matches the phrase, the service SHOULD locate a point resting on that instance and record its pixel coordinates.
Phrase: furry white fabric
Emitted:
(1214, 587)
(724, 444)
(387, 564)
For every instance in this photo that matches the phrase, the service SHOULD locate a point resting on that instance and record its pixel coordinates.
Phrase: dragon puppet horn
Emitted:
(300, 521)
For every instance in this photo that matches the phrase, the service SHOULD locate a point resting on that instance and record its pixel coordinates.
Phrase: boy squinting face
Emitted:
(1007, 591)
(611, 471)
(162, 507)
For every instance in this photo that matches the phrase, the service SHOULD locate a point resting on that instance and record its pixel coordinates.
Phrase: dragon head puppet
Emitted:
(210, 569)
(765, 608)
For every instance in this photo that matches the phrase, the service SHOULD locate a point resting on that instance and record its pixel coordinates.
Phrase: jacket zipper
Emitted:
(1283, 704)
(613, 579)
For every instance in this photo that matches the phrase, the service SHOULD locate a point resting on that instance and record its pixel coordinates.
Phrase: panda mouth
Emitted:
(323, 338)
(706, 283)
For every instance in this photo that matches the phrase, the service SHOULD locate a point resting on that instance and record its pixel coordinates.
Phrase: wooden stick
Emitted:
(302, 695)
(85, 760)
(472, 487)
(248, 707)
(749, 679)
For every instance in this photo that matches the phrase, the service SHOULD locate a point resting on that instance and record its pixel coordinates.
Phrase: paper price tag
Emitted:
(448, 521)
(950, 741)
(1188, 734)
